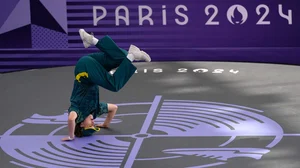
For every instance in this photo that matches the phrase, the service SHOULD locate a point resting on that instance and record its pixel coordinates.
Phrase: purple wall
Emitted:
(43, 33)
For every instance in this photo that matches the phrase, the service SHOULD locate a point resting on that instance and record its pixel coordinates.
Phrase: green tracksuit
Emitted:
(92, 71)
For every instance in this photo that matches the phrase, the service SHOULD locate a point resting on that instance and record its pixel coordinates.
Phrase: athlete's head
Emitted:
(86, 127)
(88, 122)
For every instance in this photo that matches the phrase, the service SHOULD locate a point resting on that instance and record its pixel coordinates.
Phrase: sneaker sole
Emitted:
(148, 58)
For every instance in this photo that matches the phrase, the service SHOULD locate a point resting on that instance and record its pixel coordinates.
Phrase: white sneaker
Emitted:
(146, 56)
(133, 49)
(138, 54)
(86, 38)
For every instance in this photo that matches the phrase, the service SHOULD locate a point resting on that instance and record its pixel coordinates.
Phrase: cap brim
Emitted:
(90, 131)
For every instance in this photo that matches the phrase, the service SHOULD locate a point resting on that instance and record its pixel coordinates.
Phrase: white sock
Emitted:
(95, 41)
(130, 57)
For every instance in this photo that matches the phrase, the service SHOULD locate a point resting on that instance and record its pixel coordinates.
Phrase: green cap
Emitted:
(90, 131)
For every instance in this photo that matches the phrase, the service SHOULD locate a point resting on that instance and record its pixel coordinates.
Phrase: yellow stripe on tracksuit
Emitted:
(82, 74)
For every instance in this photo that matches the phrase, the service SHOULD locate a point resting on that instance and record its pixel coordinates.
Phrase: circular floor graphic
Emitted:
(171, 114)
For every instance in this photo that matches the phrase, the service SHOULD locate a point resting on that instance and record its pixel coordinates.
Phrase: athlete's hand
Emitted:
(68, 138)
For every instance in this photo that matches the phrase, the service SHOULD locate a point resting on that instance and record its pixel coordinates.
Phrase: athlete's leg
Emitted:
(110, 110)
(111, 55)
(97, 74)
(103, 59)
(114, 54)
(108, 46)
(106, 61)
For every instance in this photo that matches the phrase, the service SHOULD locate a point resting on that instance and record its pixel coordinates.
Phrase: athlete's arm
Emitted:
(71, 125)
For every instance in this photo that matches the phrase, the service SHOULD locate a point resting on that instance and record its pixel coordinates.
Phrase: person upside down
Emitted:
(92, 71)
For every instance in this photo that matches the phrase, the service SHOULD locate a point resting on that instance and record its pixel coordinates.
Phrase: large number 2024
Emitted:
(261, 21)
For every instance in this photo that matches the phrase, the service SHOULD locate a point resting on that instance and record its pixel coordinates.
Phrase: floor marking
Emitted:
(19, 164)
(291, 134)
(138, 143)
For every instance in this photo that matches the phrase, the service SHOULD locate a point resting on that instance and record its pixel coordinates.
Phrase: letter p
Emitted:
(95, 18)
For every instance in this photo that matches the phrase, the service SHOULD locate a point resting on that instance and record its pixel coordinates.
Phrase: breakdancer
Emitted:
(92, 71)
